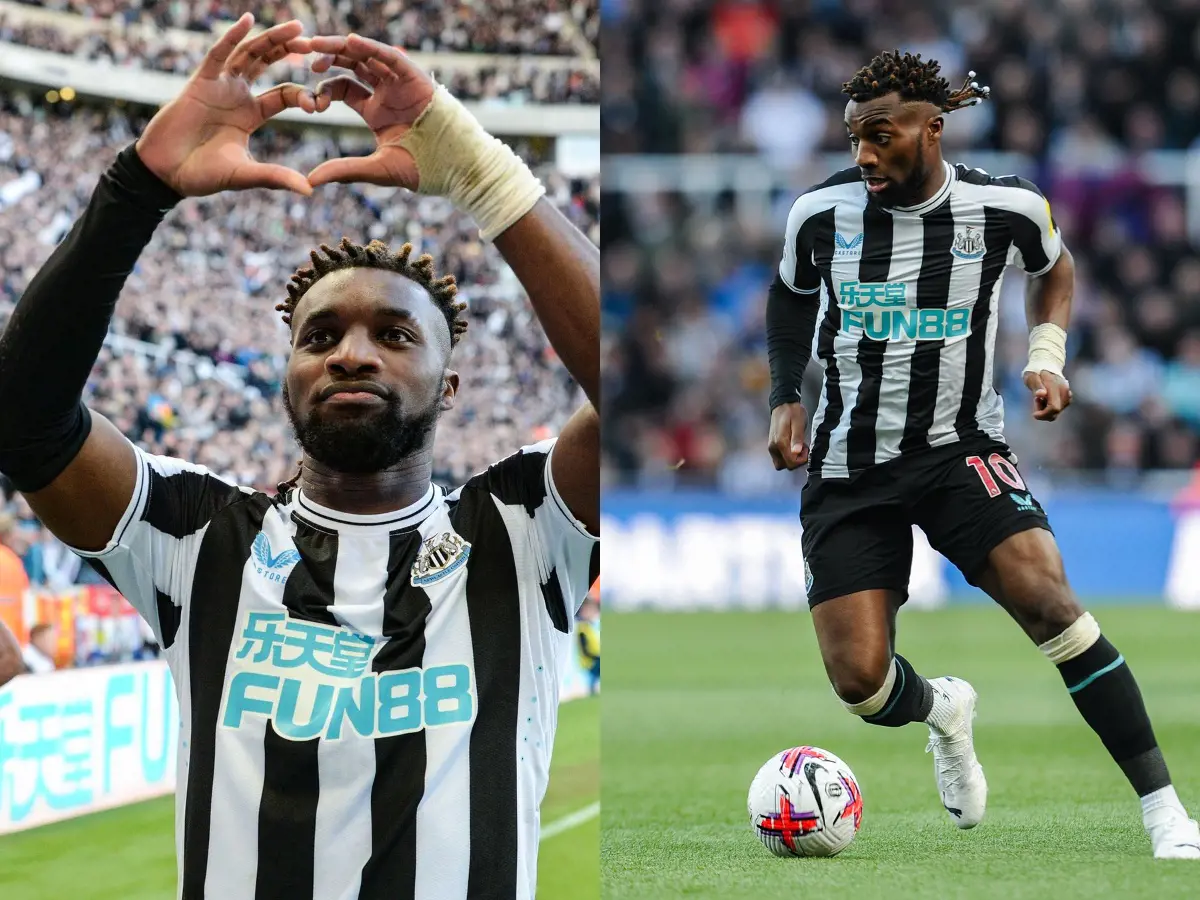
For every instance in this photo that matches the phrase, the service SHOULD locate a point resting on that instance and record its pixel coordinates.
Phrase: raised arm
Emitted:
(560, 270)
(75, 468)
(428, 142)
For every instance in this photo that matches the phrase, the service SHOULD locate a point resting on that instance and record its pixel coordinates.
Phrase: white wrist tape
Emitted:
(1047, 349)
(458, 160)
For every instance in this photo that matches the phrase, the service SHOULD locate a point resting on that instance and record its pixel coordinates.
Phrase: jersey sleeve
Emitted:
(1037, 242)
(151, 557)
(567, 556)
(796, 268)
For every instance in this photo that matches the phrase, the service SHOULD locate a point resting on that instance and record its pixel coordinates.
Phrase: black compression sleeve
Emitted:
(791, 322)
(56, 331)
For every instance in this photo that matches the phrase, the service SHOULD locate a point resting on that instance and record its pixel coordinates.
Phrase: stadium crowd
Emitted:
(144, 46)
(1081, 93)
(197, 351)
(537, 27)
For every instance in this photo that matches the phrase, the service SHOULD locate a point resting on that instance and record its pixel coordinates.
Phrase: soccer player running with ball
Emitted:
(367, 667)
(899, 259)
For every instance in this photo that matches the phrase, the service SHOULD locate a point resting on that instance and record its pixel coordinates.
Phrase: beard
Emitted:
(375, 441)
(908, 192)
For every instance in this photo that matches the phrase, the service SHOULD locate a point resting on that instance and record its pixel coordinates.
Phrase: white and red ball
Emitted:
(805, 802)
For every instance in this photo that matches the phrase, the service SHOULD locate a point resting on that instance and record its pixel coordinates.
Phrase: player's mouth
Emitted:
(357, 393)
(876, 183)
(354, 398)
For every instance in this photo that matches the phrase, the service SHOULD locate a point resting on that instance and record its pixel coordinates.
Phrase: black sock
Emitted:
(1107, 696)
(911, 699)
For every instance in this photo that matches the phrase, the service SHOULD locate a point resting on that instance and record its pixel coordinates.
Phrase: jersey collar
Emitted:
(397, 520)
(937, 199)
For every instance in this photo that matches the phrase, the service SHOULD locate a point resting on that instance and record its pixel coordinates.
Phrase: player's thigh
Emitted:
(971, 501)
(857, 637)
(856, 537)
(1024, 574)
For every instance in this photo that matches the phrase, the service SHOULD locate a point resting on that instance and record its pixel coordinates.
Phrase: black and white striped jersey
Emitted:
(909, 301)
(367, 703)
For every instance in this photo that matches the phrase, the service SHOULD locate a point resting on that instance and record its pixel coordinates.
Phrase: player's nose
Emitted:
(354, 353)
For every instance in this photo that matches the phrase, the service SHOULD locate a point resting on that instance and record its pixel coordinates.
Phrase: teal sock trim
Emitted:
(1112, 665)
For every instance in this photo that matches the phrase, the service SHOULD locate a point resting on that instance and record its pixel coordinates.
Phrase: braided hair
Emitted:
(914, 79)
(375, 255)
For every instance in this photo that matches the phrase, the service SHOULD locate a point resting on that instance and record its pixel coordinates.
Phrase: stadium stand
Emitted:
(539, 27)
(1089, 101)
(473, 55)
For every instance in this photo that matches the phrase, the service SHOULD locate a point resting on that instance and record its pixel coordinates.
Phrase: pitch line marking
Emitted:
(572, 820)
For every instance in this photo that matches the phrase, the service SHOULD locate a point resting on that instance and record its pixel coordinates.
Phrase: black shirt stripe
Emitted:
(933, 292)
(287, 812)
(822, 235)
(212, 621)
(873, 268)
(184, 502)
(391, 871)
(996, 238)
(494, 608)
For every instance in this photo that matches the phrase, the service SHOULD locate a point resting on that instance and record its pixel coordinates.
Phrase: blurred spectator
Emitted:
(13, 580)
(39, 653)
(587, 636)
(1077, 91)
(11, 664)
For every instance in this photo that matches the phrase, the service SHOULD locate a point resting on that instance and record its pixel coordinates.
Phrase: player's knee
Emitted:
(1049, 609)
(859, 680)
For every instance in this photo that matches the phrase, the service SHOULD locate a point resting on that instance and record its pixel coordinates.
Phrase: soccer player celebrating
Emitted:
(367, 667)
(900, 259)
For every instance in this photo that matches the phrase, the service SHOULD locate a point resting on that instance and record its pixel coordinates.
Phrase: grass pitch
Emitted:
(129, 853)
(695, 703)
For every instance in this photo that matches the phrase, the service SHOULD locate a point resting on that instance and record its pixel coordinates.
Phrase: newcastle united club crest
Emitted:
(441, 556)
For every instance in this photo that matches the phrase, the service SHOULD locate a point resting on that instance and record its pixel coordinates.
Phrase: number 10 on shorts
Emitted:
(1003, 469)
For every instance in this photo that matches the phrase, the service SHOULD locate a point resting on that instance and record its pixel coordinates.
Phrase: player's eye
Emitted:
(881, 139)
(853, 138)
(395, 334)
(316, 336)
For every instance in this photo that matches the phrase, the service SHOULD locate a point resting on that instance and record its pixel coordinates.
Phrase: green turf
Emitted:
(122, 854)
(569, 863)
(129, 853)
(695, 703)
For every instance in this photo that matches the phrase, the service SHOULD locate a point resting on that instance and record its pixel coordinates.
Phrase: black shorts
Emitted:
(967, 497)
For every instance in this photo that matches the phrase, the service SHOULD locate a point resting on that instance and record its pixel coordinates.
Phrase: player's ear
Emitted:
(449, 389)
(935, 124)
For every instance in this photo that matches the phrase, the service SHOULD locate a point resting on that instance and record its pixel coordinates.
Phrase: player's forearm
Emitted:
(560, 270)
(791, 323)
(1048, 297)
(56, 331)
(1048, 314)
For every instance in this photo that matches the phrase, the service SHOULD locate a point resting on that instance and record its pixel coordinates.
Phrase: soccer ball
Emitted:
(805, 802)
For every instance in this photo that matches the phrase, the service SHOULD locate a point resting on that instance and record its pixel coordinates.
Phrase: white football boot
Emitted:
(960, 781)
(1172, 834)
